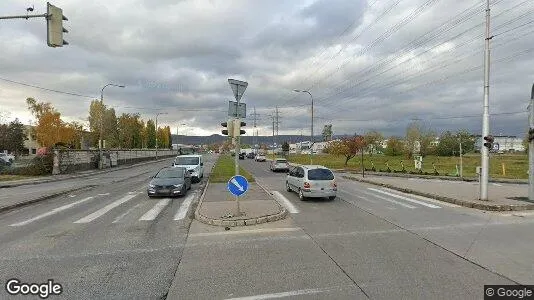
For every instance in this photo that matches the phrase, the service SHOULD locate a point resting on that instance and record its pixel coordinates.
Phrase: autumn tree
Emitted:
(151, 134)
(50, 129)
(417, 134)
(348, 147)
(169, 136)
(374, 140)
(394, 146)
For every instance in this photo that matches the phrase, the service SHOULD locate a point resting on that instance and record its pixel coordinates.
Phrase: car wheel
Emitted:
(301, 196)
(331, 198)
(288, 188)
(149, 196)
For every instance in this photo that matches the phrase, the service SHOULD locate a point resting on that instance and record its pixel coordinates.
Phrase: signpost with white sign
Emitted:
(233, 112)
(238, 88)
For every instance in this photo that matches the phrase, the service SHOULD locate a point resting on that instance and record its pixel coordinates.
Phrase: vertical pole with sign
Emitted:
(238, 88)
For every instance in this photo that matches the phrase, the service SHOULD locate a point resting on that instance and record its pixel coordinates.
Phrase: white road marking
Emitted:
(53, 211)
(156, 210)
(496, 184)
(284, 294)
(389, 200)
(422, 198)
(262, 230)
(105, 209)
(106, 194)
(285, 202)
(72, 196)
(184, 208)
(117, 219)
(406, 198)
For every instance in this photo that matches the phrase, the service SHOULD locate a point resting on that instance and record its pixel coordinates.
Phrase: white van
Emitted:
(193, 163)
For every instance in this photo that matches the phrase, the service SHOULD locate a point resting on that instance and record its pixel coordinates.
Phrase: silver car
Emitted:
(312, 181)
(279, 164)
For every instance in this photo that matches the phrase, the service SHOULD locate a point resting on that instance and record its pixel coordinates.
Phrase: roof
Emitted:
(190, 155)
(314, 167)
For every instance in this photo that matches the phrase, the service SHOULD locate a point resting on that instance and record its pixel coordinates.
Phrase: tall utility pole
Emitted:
(311, 145)
(254, 133)
(461, 161)
(484, 151)
(273, 134)
(531, 147)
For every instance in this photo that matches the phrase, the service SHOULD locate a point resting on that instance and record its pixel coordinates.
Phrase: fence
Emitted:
(70, 160)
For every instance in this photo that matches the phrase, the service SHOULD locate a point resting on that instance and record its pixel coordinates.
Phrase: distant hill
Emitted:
(217, 138)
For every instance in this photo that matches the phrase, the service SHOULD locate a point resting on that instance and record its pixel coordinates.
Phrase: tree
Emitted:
(348, 147)
(50, 129)
(15, 137)
(468, 140)
(374, 141)
(151, 134)
(96, 113)
(449, 143)
(327, 133)
(111, 133)
(415, 133)
(285, 147)
(169, 137)
(162, 138)
(394, 147)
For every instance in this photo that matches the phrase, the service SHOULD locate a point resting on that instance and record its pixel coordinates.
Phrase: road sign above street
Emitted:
(233, 112)
(238, 87)
(238, 185)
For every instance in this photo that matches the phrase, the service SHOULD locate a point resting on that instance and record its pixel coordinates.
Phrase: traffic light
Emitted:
(237, 127)
(489, 141)
(54, 26)
(531, 134)
(230, 130)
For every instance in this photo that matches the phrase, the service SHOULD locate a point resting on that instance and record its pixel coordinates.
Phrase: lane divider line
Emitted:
(285, 202)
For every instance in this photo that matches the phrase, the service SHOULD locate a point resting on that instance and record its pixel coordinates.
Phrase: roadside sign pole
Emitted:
(531, 148)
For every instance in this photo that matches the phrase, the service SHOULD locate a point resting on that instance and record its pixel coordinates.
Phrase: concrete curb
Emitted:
(238, 221)
(7, 185)
(46, 197)
(481, 206)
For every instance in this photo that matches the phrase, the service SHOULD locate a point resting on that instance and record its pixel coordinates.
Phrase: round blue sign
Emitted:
(238, 185)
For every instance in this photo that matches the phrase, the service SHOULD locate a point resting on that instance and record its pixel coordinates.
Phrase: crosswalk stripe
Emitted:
(156, 210)
(117, 219)
(389, 200)
(406, 198)
(184, 208)
(105, 209)
(53, 211)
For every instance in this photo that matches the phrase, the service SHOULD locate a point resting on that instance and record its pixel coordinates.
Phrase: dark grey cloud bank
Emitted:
(176, 56)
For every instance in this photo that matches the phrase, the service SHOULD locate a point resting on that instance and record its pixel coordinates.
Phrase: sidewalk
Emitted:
(218, 207)
(50, 178)
(502, 197)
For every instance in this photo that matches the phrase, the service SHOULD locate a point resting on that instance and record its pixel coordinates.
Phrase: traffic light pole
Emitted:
(484, 151)
(531, 148)
(237, 150)
(24, 17)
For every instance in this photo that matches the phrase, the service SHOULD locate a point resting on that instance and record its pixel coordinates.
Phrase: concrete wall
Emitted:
(70, 160)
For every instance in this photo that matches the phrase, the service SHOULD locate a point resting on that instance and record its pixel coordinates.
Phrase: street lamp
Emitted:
(157, 132)
(178, 135)
(100, 143)
(303, 91)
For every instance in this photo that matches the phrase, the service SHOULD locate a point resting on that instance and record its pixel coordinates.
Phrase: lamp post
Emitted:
(311, 145)
(101, 141)
(157, 132)
(178, 135)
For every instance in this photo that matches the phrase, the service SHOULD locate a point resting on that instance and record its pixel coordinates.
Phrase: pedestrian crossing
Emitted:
(376, 197)
(118, 208)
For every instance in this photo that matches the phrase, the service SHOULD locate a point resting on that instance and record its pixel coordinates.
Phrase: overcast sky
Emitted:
(369, 64)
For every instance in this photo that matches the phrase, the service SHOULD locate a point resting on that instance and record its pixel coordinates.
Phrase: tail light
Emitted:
(307, 185)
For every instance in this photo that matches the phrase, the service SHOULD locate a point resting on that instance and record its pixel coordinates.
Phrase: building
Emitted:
(30, 145)
(503, 143)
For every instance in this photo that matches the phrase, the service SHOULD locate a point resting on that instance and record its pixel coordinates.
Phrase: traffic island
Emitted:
(218, 206)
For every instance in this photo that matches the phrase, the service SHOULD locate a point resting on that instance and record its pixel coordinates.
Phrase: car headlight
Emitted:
(151, 185)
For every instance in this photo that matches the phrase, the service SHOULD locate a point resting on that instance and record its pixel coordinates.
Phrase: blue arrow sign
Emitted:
(238, 185)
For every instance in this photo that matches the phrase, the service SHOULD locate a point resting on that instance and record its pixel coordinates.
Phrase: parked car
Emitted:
(312, 181)
(251, 155)
(170, 181)
(8, 158)
(193, 163)
(260, 157)
(279, 164)
(242, 155)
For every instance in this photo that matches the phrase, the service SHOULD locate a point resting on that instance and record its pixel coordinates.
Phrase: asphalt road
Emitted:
(369, 243)
(108, 242)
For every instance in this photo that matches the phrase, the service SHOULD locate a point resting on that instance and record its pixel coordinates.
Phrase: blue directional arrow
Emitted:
(238, 185)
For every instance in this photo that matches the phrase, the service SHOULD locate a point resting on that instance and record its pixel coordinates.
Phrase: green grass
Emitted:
(225, 168)
(516, 165)
(13, 177)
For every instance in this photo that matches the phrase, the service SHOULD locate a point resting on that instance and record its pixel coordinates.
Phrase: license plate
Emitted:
(164, 191)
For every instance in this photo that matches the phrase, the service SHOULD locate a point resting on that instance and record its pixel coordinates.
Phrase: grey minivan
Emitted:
(312, 181)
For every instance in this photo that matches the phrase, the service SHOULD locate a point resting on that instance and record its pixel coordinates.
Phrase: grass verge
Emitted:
(14, 177)
(224, 170)
(511, 166)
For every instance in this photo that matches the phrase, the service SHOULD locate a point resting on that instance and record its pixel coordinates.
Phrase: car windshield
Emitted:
(186, 161)
(170, 173)
(320, 174)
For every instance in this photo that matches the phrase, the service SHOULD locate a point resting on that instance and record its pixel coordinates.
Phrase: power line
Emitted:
(47, 89)
(511, 29)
